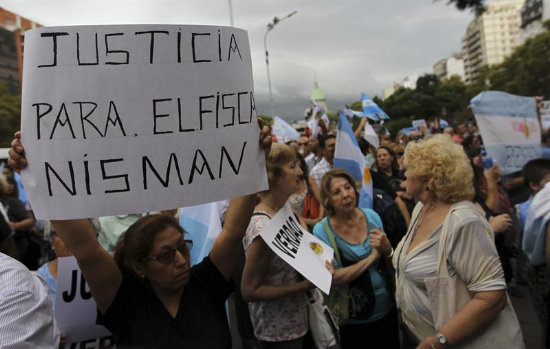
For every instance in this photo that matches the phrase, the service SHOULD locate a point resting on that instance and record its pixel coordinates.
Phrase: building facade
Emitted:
(12, 29)
(533, 14)
(450, 66)
(491, 37)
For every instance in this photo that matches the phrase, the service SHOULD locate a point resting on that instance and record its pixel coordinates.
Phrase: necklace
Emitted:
(421, 219)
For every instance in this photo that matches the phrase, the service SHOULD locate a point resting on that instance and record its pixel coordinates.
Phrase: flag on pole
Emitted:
(443, 123)
(203, 225)
(371, 109)
(283, 131)
(348, 156)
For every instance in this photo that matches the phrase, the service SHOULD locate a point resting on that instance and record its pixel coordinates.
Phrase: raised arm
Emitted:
(97, 265)
(226, 250)
(253, 288)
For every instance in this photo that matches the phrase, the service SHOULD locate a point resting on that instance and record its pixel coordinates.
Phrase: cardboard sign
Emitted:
(296, 246)
(136, 118)
(509, 128)
(76, 310)
(545, 116)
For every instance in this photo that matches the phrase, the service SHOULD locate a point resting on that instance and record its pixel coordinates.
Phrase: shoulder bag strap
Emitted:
(330, 235)
(442, 269)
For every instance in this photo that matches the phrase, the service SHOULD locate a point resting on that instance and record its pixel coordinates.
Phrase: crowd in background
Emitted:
(384, 254)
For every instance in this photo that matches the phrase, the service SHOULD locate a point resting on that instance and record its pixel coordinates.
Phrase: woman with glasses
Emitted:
(148, 296)
(276, 292)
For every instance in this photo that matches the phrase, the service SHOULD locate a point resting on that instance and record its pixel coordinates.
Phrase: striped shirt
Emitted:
(26, 318)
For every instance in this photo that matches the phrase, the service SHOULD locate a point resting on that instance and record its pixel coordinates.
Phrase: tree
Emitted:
(476, 5)
(10, 111)
(268, 120)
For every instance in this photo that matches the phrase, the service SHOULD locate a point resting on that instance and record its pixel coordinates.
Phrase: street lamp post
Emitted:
(270, 26)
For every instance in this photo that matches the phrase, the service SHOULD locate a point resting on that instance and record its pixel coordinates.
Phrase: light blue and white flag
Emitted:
(348, 156)
(443, 123)
(371, 109)
(283, 131)
(509, 128)
(408, 130)
(203, 225)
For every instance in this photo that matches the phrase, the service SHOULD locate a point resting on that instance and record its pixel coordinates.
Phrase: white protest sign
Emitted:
(509, 128)
(296, 246)
(76, 310)
(136, 118)
(420, 123)
(545, 115)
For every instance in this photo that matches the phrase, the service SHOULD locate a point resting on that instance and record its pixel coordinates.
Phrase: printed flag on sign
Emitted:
(348, 156)
(509, 128)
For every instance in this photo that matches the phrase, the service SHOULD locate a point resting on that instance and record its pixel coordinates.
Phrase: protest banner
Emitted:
(545, 116)
(509, 128)
(304, 252)
(136, 118)
(76, 310)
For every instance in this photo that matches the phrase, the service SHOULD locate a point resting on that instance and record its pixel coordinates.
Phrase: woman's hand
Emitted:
(500, 223)
(379, 241)
(430, 343)
(265, 138)
(492, 174)
(17, 160)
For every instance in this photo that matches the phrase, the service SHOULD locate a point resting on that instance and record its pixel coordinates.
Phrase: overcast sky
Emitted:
(352, 46)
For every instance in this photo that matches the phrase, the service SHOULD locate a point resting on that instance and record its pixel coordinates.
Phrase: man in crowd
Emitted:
(315, 153)
(328, 145)
(26, 319)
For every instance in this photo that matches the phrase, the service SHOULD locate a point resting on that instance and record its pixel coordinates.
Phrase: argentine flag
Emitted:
(283, 131)
(348, 156)
(371, 109)
(203, 225)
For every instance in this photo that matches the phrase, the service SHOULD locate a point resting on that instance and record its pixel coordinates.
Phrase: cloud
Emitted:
(352, 46)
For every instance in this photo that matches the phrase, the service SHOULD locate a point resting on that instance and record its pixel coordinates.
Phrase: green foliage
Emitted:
(524, 73)
(396, 125)
(476, 5)
(268, 120)
(10, 111)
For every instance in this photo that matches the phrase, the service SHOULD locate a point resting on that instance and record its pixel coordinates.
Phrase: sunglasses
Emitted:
(167, 255)
(304, 144)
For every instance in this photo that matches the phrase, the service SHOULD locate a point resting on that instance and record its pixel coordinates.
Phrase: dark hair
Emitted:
(363, 145)
(325, 188)
(324, 138)
(136, 243)
(303, 165)
(535, 170)
(394, 164)
(545, 137)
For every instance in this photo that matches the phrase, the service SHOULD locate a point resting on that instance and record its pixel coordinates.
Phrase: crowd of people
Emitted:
(439, 213)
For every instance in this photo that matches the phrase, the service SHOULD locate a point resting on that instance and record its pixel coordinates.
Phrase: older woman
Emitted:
(374, 324)
(148, 296)
(440, 177)
(276, 292)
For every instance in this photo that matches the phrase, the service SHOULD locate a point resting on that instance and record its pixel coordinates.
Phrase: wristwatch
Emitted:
(442, 340)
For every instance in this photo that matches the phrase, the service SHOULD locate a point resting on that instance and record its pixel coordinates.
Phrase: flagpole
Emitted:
(270, 27)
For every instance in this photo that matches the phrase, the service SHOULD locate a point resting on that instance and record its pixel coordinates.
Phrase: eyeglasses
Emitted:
(167, 255)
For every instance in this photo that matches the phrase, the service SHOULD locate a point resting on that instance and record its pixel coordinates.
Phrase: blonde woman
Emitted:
(440, 177)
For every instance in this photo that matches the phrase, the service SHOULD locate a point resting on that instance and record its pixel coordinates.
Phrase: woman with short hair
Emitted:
(439, 175)
(357, 234)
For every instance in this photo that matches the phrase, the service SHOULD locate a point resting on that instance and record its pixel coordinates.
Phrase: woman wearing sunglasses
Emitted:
(148, 296)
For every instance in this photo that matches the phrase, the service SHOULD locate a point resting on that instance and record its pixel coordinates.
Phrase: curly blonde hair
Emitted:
(444, 165)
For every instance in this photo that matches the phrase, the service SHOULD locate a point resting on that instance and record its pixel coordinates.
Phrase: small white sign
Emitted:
(76, 310)
(296, 246)
(420, 123)
(136, 118)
